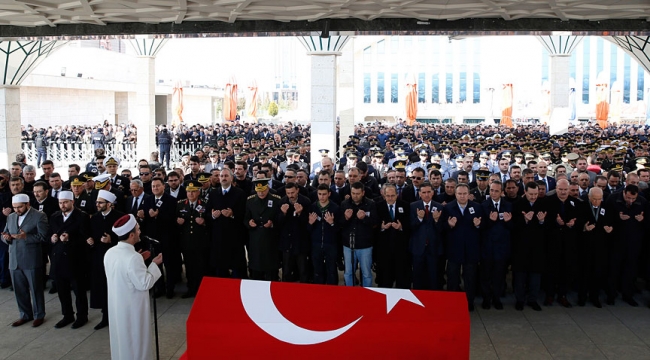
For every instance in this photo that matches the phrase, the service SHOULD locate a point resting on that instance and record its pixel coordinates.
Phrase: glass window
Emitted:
(449, 88)
(572, 65)
(435, 89)
(477, 88)
(366, 88)
(408, 44)
(612, 63)
(394, 45)
(545, 64)
(394, 90)
(639, 82)
(421, 83)
(463, 87)
(585, 70)
(599, 55)
(626, 76)
(367, 56)
(380, 88)
(381, 53)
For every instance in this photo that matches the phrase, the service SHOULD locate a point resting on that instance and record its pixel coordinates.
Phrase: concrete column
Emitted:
(560, 88)
(345, 94)
(145, 106)
(9, 125)
(323, 103)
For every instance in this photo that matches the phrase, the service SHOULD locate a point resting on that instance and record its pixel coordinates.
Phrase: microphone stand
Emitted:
(153, 241)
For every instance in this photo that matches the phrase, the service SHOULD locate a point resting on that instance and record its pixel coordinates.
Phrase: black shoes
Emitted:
(631, 302)
(101, 325)
(564, 302)
(534, 305)
(81, 321)
(519, 306)
(596, 303)
(498, 305)
(64, 322)
(486, 304)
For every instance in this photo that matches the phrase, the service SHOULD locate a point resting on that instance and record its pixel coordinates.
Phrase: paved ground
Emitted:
(618, 332)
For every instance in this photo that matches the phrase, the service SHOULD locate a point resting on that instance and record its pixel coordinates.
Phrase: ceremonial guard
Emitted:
(192, 217)
(262, 210)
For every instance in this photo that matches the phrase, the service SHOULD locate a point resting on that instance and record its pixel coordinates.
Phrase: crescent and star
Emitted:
(258, 304)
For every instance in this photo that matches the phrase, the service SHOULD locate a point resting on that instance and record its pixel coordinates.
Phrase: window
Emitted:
(476, 98)
(639, 83)
(612, 61)
(626, 77)
(585, 70)
(381, 52)
(435, 89)
(380, 88)
(394, 90)
(366, 88)
(463, 87)
(599, 55)
(367, 57)
(449, 87)
(421, 88)
(545, 65)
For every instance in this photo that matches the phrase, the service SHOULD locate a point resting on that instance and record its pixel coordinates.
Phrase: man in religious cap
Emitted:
(69, 228)
(129, 281)
(101, 239)
(24, 229)
(103, 182)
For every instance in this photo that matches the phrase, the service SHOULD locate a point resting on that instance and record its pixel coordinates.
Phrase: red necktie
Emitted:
(426, 211)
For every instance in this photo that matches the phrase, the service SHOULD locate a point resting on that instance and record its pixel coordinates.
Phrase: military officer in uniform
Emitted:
(191, 216)
(262, 209)
(117, 181)
(81, 198)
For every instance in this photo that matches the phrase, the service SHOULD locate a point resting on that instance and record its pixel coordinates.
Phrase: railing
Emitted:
(64, 153)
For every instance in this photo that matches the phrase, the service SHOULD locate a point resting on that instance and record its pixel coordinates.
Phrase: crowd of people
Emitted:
(428, 207)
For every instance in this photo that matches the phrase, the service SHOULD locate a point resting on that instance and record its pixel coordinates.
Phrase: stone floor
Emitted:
(613, 332)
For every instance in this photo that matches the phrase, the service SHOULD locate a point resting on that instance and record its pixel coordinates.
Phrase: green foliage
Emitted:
(273, 109)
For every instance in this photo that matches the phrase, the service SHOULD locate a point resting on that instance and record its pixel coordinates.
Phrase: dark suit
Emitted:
(182, 194)
(528, 249)
(342, 192)
(392, 247)
(409, 194)
(295, 242)
(462, 246)
(163, 228)
(194, 241)
(592, 251)
(478, 197)
(130, 209)
(550, 181)
(229, 235)
(426, 246)
(495, 249)
(69, 260)
(26, 262)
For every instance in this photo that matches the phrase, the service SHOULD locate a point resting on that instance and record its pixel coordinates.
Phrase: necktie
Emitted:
(462, 210)
(135, 205)
(426, 210)
(192, 206)
(225, 192)
(399, 192)
(496, 206)
(392, 213)
(416, 193)
(56, 194)
(504, 179)
(595, 210)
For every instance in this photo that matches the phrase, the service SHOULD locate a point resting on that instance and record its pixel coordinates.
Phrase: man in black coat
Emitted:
(392, 247)
(229, 235)
(628, 209)
(69, 231)
(564, 221)
(495, 246)
(295, 243)
(426, 243)
(159, 221)
(528, 247)
(592, 248)
(174, 187)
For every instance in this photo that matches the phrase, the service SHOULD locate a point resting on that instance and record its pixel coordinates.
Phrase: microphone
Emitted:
(151, 239)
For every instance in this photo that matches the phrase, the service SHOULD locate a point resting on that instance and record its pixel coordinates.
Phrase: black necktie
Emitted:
(496, 206)
(392, 213)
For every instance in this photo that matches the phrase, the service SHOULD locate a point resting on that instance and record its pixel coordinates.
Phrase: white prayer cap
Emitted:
(20, 198)
(124, 225)
(66, 195)
(107, 195)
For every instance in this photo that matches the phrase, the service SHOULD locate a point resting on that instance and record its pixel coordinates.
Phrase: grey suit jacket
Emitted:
(26, 253)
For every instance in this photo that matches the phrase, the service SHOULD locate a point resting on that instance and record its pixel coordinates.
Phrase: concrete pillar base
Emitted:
(323, 103)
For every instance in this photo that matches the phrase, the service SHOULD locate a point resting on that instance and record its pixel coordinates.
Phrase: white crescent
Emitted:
(258, 303)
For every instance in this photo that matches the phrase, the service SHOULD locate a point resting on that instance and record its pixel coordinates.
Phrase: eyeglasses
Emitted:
(289, 177)
(416, 178)
(145, 174)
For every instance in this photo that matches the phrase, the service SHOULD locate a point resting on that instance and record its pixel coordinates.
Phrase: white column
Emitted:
(560, 75)
(9, 125)
(323, 102)
(146, 106)
(346, 96)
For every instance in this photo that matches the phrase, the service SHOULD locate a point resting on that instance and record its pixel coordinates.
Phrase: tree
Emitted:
(273, 109)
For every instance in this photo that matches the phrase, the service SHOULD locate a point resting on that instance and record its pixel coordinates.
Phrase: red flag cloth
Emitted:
(245, 319)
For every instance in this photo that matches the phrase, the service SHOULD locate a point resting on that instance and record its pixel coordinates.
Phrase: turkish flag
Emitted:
(241, 319)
